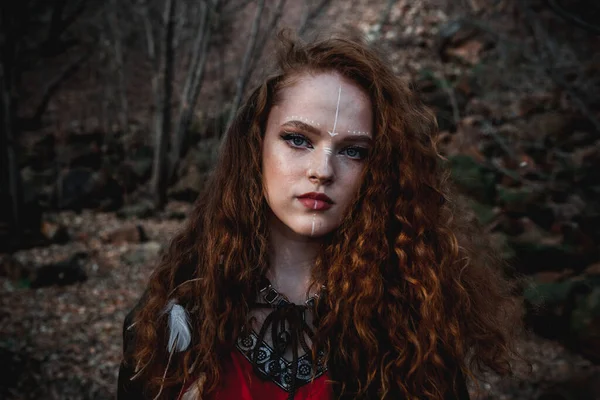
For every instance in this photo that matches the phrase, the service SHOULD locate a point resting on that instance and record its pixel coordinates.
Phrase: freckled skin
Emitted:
(322, 163)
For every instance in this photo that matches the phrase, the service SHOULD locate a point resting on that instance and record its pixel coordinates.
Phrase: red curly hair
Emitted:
(414, 293)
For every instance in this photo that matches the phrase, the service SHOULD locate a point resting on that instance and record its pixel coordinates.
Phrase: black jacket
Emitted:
(126, 388)
(133, 390)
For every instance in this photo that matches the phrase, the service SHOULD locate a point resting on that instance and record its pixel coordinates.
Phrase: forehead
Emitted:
(315, 97)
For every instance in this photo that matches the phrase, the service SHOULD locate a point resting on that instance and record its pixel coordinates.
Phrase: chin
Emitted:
(305, 227)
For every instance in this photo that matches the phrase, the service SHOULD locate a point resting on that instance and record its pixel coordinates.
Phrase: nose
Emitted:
(321, 171)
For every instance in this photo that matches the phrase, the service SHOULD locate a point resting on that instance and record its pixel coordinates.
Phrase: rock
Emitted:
(473, 178)
(567, 310)
(107, 192)
(536, 102)
(549, 126)
(485, 213)
(579, 387)
(55, 233)
(84, 150)
(542, 214)
(143, 254)
(482, 107)
(202, 157)
(82, 156)
(140, 161)
(500, 242)
(39, 152)
(141, 209)
(62, 273)
(14, 270)
(537, 250)
(126, 234)
(19, 370)
(188, 186)
(74, 188)
(126, 178)
(31, 217)
(81, 188)
(38, 185)
(469, 52)
(593, 269)
(552, 276)
(519, 201)
(589, 220)
(433, 93)
(193, 169)
(463, 41)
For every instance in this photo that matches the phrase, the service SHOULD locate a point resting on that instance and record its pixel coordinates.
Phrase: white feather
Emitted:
(180, 334)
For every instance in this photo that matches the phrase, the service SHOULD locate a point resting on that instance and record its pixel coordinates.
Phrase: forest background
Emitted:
(111, 112)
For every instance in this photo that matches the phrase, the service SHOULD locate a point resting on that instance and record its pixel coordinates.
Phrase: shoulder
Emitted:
(127, 388)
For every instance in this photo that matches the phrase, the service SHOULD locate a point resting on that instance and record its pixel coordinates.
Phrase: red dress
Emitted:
(272, 375)
(239, 382)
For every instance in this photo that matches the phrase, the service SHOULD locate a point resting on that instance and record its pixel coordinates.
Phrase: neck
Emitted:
(291, 258)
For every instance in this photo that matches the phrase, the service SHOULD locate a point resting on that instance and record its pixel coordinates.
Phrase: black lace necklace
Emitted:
(267, 362)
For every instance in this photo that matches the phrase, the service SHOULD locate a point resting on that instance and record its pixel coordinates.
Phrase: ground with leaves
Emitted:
(65, 342)
(515, 89)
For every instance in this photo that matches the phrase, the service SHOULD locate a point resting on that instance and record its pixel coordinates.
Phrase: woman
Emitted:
(326, 257)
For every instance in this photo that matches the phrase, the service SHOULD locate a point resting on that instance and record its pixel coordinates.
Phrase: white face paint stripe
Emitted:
(313, 225)
(337, 110)
(328, 152)
(359, 132)
(305, 120)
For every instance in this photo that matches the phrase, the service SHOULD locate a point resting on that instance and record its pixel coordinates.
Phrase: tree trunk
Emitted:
(11, 190)
(276, 16)
(163, 84)
(193, 83)
(244, 73)
(311, 15)
(119, 64)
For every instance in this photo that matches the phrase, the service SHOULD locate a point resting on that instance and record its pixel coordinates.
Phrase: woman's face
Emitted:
(316, 142)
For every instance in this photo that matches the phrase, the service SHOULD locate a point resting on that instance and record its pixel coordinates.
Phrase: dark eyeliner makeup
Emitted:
(290, 136)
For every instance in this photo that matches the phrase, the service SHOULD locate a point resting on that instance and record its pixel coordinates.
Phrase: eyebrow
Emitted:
(307, 127)
(302, 125)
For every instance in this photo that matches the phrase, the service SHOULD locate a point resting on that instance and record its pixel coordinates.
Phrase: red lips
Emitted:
(317, 196)
(315, 201)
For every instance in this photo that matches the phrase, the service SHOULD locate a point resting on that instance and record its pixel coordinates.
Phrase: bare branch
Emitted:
(275, 17)
(547, 49)
(113, 23)
(150, 43)
(233, 7)
(312, 15)
(193, 82)
(447, 86)
(10, 178)
(54, 85)
(163, 110)
(245, 68)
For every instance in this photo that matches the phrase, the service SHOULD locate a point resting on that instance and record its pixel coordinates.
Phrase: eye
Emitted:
(356, 153)
(295, 139)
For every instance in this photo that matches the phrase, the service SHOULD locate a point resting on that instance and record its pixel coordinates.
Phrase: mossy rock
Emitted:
(141, 162)
(142, 209)
(548, 294)
(500, 241)
(532, 257)
(484, 213)
(473, 178)
(518, 201)
(568, 311)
